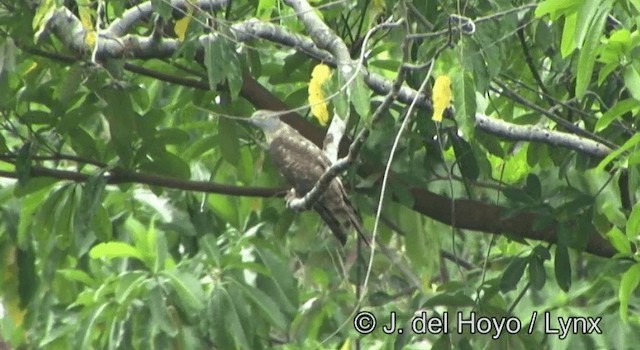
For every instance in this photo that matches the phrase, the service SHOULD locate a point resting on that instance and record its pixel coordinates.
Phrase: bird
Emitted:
(302, 163)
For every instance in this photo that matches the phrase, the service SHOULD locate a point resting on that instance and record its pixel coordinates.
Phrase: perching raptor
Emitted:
(302, 163)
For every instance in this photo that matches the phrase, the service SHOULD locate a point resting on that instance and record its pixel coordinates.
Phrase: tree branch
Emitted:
(534, 133)
(481, 217)
(119, 176)
(321, 34)
(505, 90)
(142, 12)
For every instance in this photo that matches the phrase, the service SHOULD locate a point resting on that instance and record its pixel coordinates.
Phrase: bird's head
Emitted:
(268, 121)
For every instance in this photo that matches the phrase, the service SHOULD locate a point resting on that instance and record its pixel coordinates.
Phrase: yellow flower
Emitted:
(441, 96)
(317, 99)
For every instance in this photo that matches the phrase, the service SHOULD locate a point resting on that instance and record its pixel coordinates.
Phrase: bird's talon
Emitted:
(290, 197)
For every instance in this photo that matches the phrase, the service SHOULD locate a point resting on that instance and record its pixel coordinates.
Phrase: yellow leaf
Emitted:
(441, 96)
(44, 11)
(181, 27)
(90, 38)
(346, 345)
(378, 6)
(317, 99)
(11, 297)
(32, 67)
(86, 18)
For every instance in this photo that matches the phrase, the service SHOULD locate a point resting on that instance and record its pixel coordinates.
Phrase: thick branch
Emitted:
(478, 216)
(538, 134)
(142, 12)
(321, 34)
(566, 124)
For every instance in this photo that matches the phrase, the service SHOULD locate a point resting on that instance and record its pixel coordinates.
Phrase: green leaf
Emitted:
(534, 187)
(619, 241)
(130, 284)
(90, 199)
(613, 155)
(422, 250)
(187, 288)
(234, 73)
(556, 8)
(587, 59)
(227, 329)
(201, 146)
(27, 275)
(172, 136)
(38, 117)
(43, 12)
(265, 304)
(454, 300)
(121, 116)
(139, 233)
(464, 101)
(541, 253)
(33, 185)
(361, 98)
(632, 81)
(23, 164)
(490, 143)
(585, 16)
(228, 140)
(163, 8)
(244, 327)
(465, 157)
(83, 143)
(265, 7)
(46, 215)
(628, 284)
(212, 59)
(246, 170)
(87, 331)
(110, 250)
(75, 275)
(537, 273)
(102, 226)
(226, 207)
(65, 213)
(161, 255)
(620, 108)
(169, 164)
(280, 285)
(512, 274)
(562, 267)
(222, 62)
(209, 244)
(517, 195)
(341, 100)
(160, 315)
(3, 144)
(217, 331)
(568, 42)
(613, 213)
(633, 224)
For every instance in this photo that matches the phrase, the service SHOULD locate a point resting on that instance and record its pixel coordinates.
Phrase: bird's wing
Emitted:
(299, 160)
(302, 163)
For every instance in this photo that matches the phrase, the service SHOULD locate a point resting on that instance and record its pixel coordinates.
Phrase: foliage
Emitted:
(135, 215)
